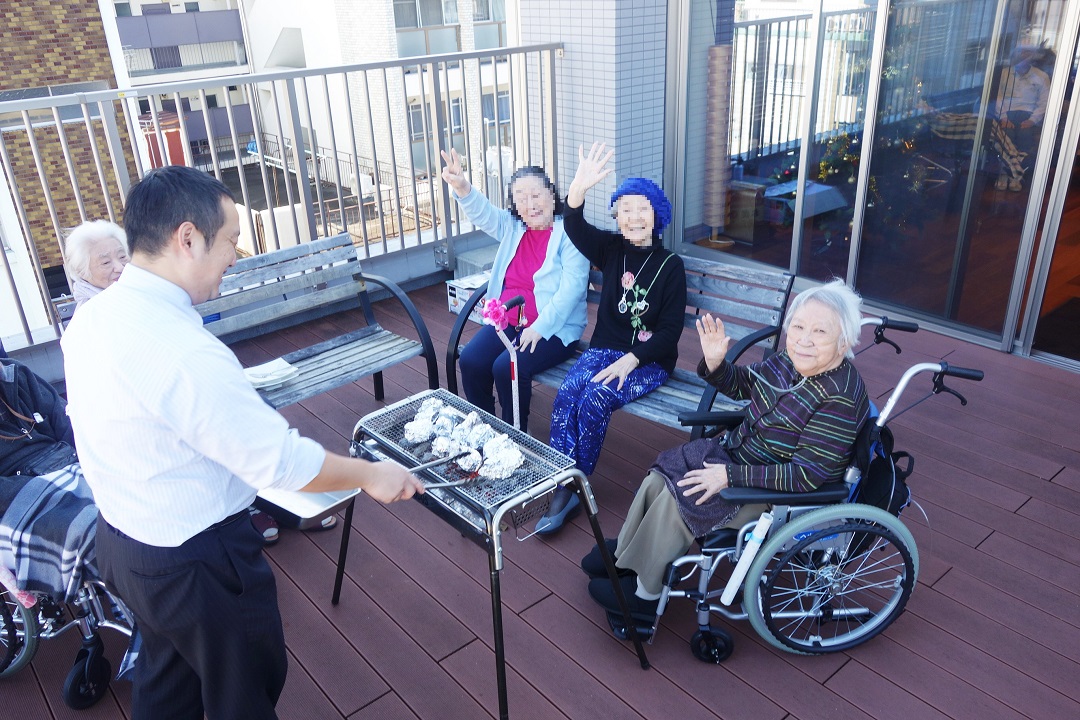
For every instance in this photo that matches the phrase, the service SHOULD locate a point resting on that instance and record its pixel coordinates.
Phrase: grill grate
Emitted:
(386, 427)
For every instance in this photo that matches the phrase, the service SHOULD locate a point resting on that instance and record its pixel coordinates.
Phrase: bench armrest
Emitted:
(748, 341)
(721, 419)
(827, 494)
(418, 322)
(452, 345)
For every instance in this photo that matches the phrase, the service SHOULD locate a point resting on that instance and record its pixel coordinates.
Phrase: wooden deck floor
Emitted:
(992, 630)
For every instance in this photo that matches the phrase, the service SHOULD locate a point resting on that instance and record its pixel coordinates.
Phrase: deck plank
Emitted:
(992, 629)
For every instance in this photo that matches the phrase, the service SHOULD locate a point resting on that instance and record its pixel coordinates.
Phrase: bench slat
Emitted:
(291, 306)
(274, 271)
(279, 288)
(294, 251)
(370, 353)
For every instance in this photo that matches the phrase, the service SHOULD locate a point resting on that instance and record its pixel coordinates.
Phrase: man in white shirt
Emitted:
(1020, 106)
(175, 443)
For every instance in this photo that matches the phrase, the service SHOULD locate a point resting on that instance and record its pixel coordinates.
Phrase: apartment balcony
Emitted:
(156, 45)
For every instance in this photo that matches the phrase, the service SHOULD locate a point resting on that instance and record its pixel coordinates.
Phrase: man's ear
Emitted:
(185, 237)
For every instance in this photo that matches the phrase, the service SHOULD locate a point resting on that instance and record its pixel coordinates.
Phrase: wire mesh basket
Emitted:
(386, 428)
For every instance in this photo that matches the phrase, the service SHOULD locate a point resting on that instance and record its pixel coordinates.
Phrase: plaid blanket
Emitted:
(962, 126)
(47, 531)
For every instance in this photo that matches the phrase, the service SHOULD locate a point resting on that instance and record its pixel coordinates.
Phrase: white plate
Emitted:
(274, 381)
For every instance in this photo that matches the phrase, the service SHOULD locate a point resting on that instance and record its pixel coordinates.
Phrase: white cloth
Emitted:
(171, 435)
(82, 290)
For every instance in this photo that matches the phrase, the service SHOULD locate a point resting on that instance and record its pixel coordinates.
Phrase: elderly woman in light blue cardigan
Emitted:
(536, 260)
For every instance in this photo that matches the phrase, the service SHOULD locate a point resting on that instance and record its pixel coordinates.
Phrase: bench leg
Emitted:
(379, 394)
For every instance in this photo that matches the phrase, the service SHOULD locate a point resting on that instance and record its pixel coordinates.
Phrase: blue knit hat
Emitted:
(660, 204)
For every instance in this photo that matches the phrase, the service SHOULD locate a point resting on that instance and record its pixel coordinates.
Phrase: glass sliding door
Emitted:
(964, 90)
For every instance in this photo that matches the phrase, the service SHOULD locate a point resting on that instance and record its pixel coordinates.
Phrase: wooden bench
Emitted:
(751, 302)
(286, 287)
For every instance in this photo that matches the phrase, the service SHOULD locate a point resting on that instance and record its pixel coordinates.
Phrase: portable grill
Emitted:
(479, 507)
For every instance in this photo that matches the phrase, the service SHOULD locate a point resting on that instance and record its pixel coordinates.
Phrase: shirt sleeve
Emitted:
(588, 239)
(216, 411)
(497, 223)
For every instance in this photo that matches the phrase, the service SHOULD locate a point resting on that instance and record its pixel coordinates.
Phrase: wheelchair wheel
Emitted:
(831, 579)
(18, 634)
(88, 680)
(712, 646)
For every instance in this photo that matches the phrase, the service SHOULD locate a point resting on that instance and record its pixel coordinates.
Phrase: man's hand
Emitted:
(618, 370)
(708, 481)
(389, 482)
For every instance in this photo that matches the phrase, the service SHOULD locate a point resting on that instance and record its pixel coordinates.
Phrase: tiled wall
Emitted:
(610, 85)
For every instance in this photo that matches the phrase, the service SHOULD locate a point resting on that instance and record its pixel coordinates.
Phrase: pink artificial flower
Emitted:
(644, 335)
(627, 280)
(495, 314)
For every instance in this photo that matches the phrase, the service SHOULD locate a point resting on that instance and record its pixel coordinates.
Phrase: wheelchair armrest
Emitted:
(827, 494)
(720, 418)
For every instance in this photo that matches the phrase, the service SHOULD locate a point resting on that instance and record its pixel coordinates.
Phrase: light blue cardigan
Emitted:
(561, 281)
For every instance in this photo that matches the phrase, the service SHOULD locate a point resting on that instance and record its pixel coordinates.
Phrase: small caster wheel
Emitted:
(712, 646)
(88, 680)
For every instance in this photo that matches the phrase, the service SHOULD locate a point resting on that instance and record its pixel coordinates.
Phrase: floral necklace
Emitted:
(638, 305)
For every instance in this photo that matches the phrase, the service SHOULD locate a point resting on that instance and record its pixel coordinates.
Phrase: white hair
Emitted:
(78, 243)
(843, 301)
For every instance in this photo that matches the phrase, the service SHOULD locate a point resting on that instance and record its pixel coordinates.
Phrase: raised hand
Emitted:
(453, 174)
(590, 171)
(714, 341)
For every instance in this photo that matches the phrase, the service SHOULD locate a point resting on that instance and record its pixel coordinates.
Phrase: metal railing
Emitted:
(67, 159)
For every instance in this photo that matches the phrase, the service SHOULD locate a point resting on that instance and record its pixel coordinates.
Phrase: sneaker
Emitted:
(1002, 183)
(266, 525)
(593, 563)
(565, 504)
(1014, 185)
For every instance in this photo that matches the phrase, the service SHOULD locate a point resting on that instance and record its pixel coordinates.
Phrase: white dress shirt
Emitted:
(171, 436)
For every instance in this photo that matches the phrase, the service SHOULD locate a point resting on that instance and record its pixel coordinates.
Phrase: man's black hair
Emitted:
(166, 198)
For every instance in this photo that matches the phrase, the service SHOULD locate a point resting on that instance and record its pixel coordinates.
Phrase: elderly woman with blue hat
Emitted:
(639, 319)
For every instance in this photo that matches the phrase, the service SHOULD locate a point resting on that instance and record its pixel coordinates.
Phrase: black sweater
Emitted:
(661, 273)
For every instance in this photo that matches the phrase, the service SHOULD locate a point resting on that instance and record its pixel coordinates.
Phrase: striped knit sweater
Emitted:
(794, 441)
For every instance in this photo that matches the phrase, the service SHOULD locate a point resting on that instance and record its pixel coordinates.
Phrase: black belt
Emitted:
(231, 519)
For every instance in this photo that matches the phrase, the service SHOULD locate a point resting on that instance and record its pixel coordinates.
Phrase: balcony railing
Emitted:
(67, 159)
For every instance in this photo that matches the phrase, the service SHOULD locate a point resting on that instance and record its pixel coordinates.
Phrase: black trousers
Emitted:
(208, 614)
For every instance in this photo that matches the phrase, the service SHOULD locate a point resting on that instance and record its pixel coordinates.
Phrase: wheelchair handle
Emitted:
(514, 302)
(940, 369)
(961, 372)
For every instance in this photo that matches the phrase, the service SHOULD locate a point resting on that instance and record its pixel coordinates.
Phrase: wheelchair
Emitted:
(819, 572)
(93, 607)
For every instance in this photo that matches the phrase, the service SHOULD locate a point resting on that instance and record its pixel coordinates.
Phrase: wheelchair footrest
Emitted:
(643, 625)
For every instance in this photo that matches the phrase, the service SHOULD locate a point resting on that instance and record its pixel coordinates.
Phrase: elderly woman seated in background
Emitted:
(807, 405)
(96, 252)
(536, 260)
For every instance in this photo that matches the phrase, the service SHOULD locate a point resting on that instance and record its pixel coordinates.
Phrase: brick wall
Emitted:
(49, 44)
(52, 43)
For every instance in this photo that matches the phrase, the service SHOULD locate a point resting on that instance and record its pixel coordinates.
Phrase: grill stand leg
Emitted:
(343, 552)
(496, 621)
(589, 503)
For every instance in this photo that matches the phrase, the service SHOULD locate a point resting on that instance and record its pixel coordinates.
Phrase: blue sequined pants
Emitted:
(582, 409)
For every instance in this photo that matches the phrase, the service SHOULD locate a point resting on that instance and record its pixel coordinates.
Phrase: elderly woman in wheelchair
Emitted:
(806, 407)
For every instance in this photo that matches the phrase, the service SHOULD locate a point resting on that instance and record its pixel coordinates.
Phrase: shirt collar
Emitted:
(136, 278)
